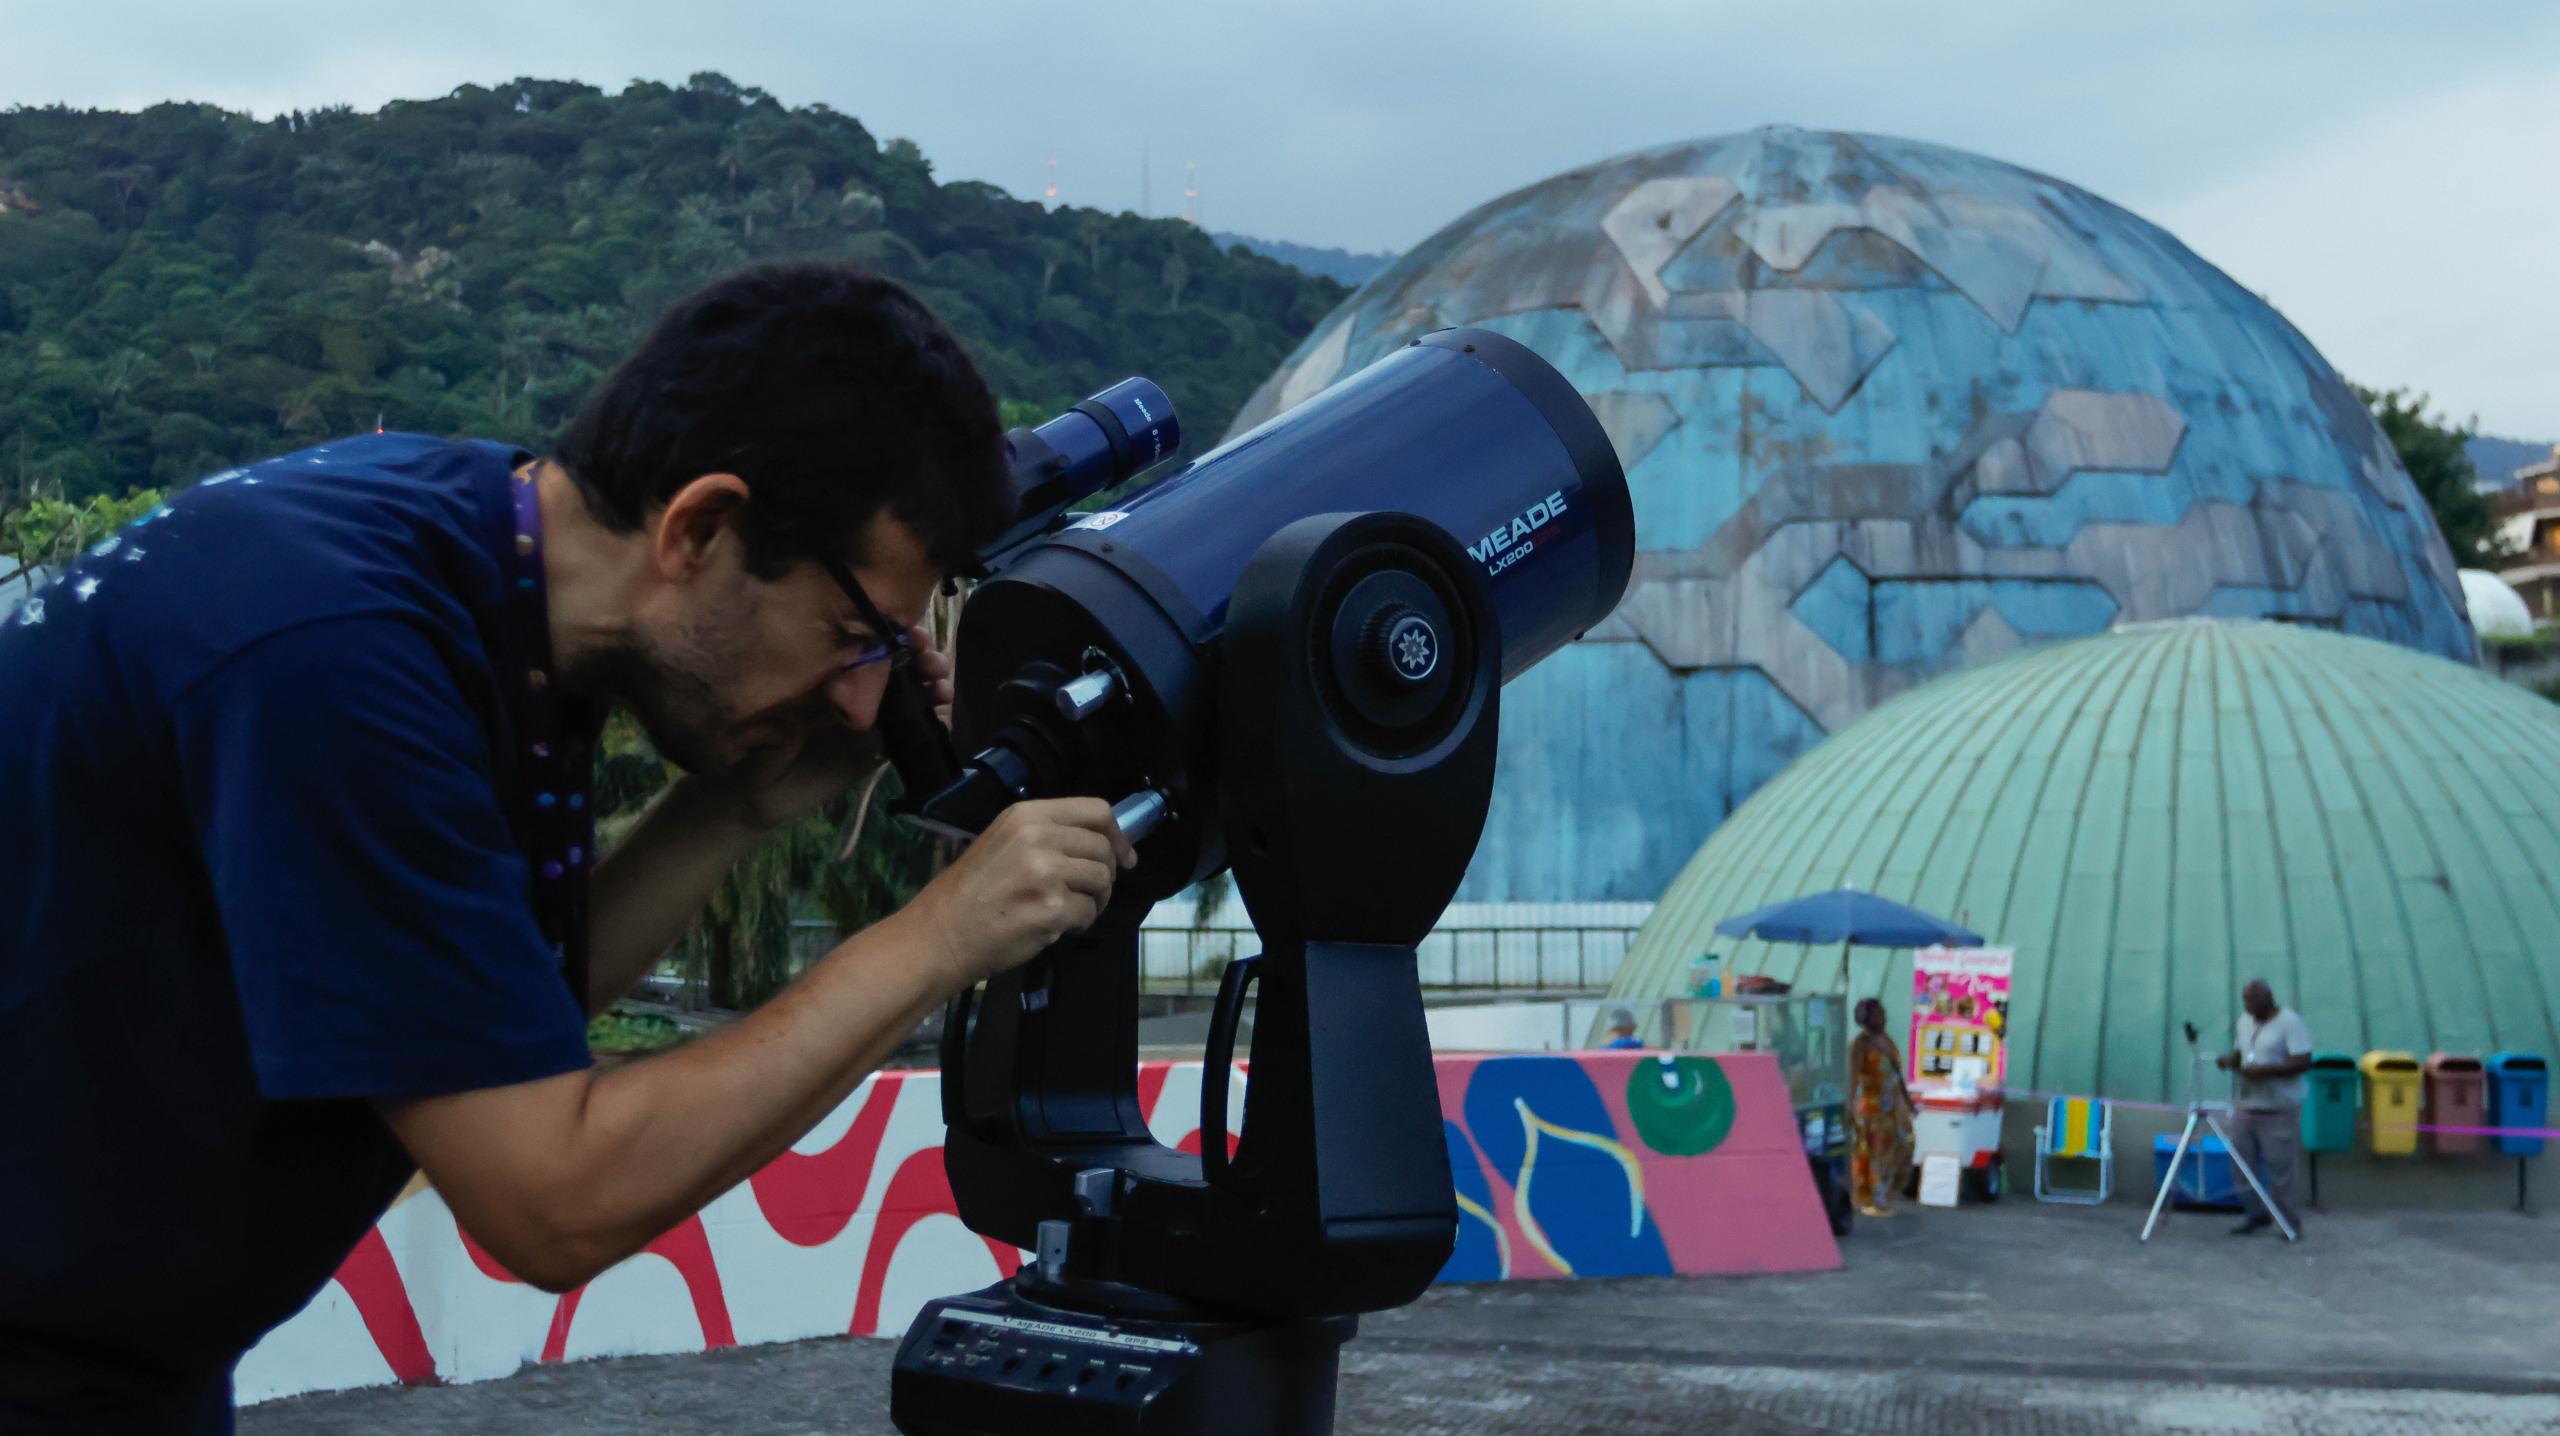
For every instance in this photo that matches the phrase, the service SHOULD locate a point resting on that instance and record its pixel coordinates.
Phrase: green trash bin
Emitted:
(2329, 1111)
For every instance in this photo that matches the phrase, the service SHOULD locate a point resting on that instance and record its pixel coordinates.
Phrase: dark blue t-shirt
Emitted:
(256, 868)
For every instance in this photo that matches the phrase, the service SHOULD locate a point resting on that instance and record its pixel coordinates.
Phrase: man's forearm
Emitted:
(562, 1176)
(660, 876)
(596, 1163)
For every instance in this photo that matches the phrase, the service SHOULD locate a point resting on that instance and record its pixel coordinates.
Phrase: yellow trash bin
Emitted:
(2393, 1082)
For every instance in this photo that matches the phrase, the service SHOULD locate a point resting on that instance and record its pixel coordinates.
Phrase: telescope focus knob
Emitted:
(1401, 648)
(1396, 652)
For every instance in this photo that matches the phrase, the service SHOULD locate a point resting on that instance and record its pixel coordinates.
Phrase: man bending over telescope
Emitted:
(296, 846)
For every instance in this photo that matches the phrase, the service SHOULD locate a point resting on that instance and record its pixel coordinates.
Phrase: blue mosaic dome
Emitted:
(1887, 409)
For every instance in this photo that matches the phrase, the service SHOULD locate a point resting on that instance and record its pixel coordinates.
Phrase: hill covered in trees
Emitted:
(185, 288)
(1340, 265)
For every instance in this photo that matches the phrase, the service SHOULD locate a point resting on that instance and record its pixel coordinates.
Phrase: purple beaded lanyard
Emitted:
(555, 739)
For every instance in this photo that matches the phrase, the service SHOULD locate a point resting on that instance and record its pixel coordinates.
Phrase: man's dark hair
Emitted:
(834, 393)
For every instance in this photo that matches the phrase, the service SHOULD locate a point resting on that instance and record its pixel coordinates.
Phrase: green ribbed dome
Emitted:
(2151, 817)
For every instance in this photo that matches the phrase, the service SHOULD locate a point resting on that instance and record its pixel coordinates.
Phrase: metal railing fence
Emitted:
(1473, 959)
(1465, 958)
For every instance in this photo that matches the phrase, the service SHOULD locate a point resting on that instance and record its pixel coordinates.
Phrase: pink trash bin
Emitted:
(2457, 1092)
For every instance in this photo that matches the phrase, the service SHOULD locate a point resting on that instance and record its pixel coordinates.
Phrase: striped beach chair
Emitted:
(2080, 1129)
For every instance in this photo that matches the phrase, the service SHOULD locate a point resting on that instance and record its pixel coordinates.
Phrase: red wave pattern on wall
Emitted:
(809, 1199)
(917, 1191)
(1730, 1210)
(372, 1281)
(686, 1247)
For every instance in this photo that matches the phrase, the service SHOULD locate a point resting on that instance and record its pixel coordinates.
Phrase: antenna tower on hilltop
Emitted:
(1052, 194)
(1145, 209)
(1191, 193)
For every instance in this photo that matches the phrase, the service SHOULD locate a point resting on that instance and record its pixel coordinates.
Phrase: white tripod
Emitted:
(2198, 1111)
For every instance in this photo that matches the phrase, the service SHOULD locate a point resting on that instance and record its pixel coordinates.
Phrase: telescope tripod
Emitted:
(2198, 1111)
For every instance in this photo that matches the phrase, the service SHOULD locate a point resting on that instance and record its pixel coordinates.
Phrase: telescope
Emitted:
(1285, 659)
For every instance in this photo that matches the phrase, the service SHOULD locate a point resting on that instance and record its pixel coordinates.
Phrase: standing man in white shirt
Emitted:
(2270, 1052)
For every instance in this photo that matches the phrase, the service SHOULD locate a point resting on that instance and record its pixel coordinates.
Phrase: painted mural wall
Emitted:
(1594, 1164)
(1627, 1164)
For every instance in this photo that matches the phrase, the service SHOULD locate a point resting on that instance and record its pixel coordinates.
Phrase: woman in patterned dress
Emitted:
(1879, 1114)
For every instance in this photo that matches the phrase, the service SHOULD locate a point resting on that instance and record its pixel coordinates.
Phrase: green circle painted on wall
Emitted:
(1682, 1106)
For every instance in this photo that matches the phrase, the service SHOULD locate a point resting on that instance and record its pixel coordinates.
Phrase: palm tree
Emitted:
(739, 951)
(1053, 252)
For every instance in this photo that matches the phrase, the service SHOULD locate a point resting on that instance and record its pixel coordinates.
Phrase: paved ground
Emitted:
(2014, 1318)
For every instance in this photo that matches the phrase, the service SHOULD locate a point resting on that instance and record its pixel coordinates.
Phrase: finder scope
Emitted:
(1112, 436)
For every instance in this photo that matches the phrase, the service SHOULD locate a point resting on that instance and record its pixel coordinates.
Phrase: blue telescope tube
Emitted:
(1463, 427)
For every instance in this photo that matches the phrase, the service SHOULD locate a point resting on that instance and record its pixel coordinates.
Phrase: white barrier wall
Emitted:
(1583, 1164)
(1500, 1027)
(849, 1233)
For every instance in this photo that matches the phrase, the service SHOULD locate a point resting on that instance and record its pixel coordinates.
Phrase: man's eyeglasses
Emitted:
(893, 647)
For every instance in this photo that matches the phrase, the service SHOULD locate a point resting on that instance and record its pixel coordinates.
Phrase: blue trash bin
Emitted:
(2519, 1096)
(2205, 1179)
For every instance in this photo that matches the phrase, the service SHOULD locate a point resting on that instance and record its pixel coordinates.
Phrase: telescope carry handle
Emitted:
(1217, 1063)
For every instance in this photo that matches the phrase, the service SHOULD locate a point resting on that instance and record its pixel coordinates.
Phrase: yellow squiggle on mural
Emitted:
(1531, 1126)
(1501, 1238)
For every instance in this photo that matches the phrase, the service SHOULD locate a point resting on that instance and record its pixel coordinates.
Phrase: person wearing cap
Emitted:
(1622, 1030)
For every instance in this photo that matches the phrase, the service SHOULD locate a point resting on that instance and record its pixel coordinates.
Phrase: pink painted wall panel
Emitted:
(1625, 1163)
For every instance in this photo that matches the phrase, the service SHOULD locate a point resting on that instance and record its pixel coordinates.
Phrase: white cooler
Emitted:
(1960, 1124)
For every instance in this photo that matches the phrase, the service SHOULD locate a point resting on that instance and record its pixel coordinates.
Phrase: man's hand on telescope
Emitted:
(1041, 870)
(784, 785)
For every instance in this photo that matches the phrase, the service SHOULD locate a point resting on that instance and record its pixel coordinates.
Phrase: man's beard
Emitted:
(674, 692)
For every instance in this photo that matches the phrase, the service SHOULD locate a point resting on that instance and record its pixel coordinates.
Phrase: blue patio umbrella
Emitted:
(1847, 915)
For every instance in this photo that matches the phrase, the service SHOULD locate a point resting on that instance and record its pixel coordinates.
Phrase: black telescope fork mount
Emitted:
(1174, 1292)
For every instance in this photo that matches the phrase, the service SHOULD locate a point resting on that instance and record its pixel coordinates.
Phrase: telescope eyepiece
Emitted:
(1107, 439)
(1137, 419)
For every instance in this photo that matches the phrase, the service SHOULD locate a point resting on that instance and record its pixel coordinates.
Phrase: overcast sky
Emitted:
(2387, 174)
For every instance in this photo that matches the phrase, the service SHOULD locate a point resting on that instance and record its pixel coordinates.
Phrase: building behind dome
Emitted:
(2496, 609)
(2153, 816)
(1887, 409)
